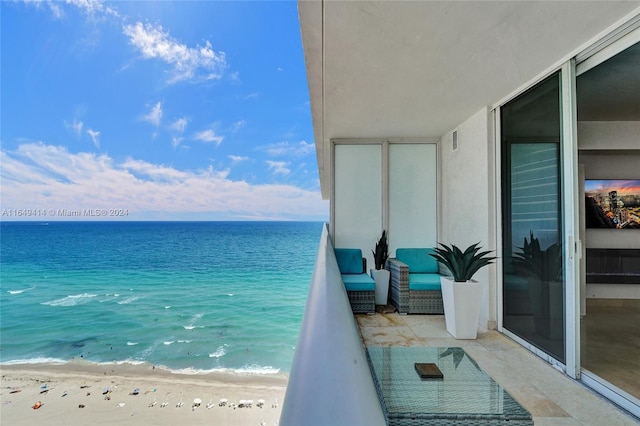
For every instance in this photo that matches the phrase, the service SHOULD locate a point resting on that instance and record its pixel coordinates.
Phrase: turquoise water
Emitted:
(196, 296)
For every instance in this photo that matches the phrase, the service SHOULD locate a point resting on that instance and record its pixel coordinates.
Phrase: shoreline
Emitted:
(79, 392)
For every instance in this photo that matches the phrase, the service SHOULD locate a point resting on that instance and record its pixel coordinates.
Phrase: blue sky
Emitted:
(170, 110)
(624, 187)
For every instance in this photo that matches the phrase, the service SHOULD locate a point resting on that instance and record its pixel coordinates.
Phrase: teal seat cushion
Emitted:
(424, 282)
(349, 260)
(418, 260)
(358, 282)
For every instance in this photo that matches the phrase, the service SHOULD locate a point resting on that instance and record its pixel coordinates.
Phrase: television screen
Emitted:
(613, 204)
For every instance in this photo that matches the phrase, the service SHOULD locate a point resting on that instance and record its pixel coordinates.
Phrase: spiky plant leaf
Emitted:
(462, 265)
(532, 261)
(381, 253)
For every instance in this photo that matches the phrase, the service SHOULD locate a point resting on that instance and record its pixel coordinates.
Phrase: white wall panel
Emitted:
(358, 197)
(413, 218)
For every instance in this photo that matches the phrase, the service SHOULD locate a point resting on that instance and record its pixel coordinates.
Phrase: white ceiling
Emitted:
(420, 68)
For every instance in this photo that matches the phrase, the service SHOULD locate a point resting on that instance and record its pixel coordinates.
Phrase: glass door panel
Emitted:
(610, 323)
(532, 234)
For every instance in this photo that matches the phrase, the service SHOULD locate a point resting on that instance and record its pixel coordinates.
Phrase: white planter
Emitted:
(381, 277)
(461, 307)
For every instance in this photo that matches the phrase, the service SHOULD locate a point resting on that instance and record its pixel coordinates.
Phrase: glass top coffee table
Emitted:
(466, 395)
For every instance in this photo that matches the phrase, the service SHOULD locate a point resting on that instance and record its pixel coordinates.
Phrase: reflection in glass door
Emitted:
(532, 235)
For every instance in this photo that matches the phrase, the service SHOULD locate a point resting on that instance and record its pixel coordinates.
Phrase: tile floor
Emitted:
(611, 342)
(550, 396)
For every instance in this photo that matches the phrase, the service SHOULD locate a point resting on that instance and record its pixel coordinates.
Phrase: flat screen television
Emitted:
(612, 204)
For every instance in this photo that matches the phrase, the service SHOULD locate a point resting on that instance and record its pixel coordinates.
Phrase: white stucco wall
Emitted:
(606, 135)
(467, 207)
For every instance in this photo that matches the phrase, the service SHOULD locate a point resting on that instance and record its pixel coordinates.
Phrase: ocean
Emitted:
(187, 296)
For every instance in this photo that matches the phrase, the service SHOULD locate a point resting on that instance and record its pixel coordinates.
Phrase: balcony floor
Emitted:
(551, 397)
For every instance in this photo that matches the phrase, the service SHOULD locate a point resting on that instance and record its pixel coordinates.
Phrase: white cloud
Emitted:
(276, 149)
(175, 141)
(305, 148)
(56, 9)
(75, 127)
(234, 77)
(200, 62)
(301, 149)
(54, 6)
(40, 176)
(93, 8)
(279, 167)
(237, 158)
(238, 125)
(208, 136)
(95, 137)
(89, 7)
(154, 116)
(179, 125)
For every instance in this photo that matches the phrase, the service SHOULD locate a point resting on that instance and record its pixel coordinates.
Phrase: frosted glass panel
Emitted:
(412, 196)
(358, 197)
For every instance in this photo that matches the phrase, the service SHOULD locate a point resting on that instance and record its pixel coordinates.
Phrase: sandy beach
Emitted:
(80, 393)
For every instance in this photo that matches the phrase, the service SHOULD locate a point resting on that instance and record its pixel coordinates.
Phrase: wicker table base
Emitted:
(465, 396)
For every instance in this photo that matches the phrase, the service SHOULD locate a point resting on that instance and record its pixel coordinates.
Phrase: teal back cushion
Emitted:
(349, 260)
(418, 260)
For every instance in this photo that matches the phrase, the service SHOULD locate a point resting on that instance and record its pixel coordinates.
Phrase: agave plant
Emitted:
(381, 253)
(532, 261)
(462, 265)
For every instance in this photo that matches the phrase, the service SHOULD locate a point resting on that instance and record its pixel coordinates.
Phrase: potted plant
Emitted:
(380, 275)
(461, 296)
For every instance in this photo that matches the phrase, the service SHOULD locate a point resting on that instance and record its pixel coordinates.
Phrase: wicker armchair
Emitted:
(359, 285)
(415, 282)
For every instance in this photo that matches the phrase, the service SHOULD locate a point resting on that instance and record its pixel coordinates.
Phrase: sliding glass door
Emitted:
(541, 242)
(533, 259)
